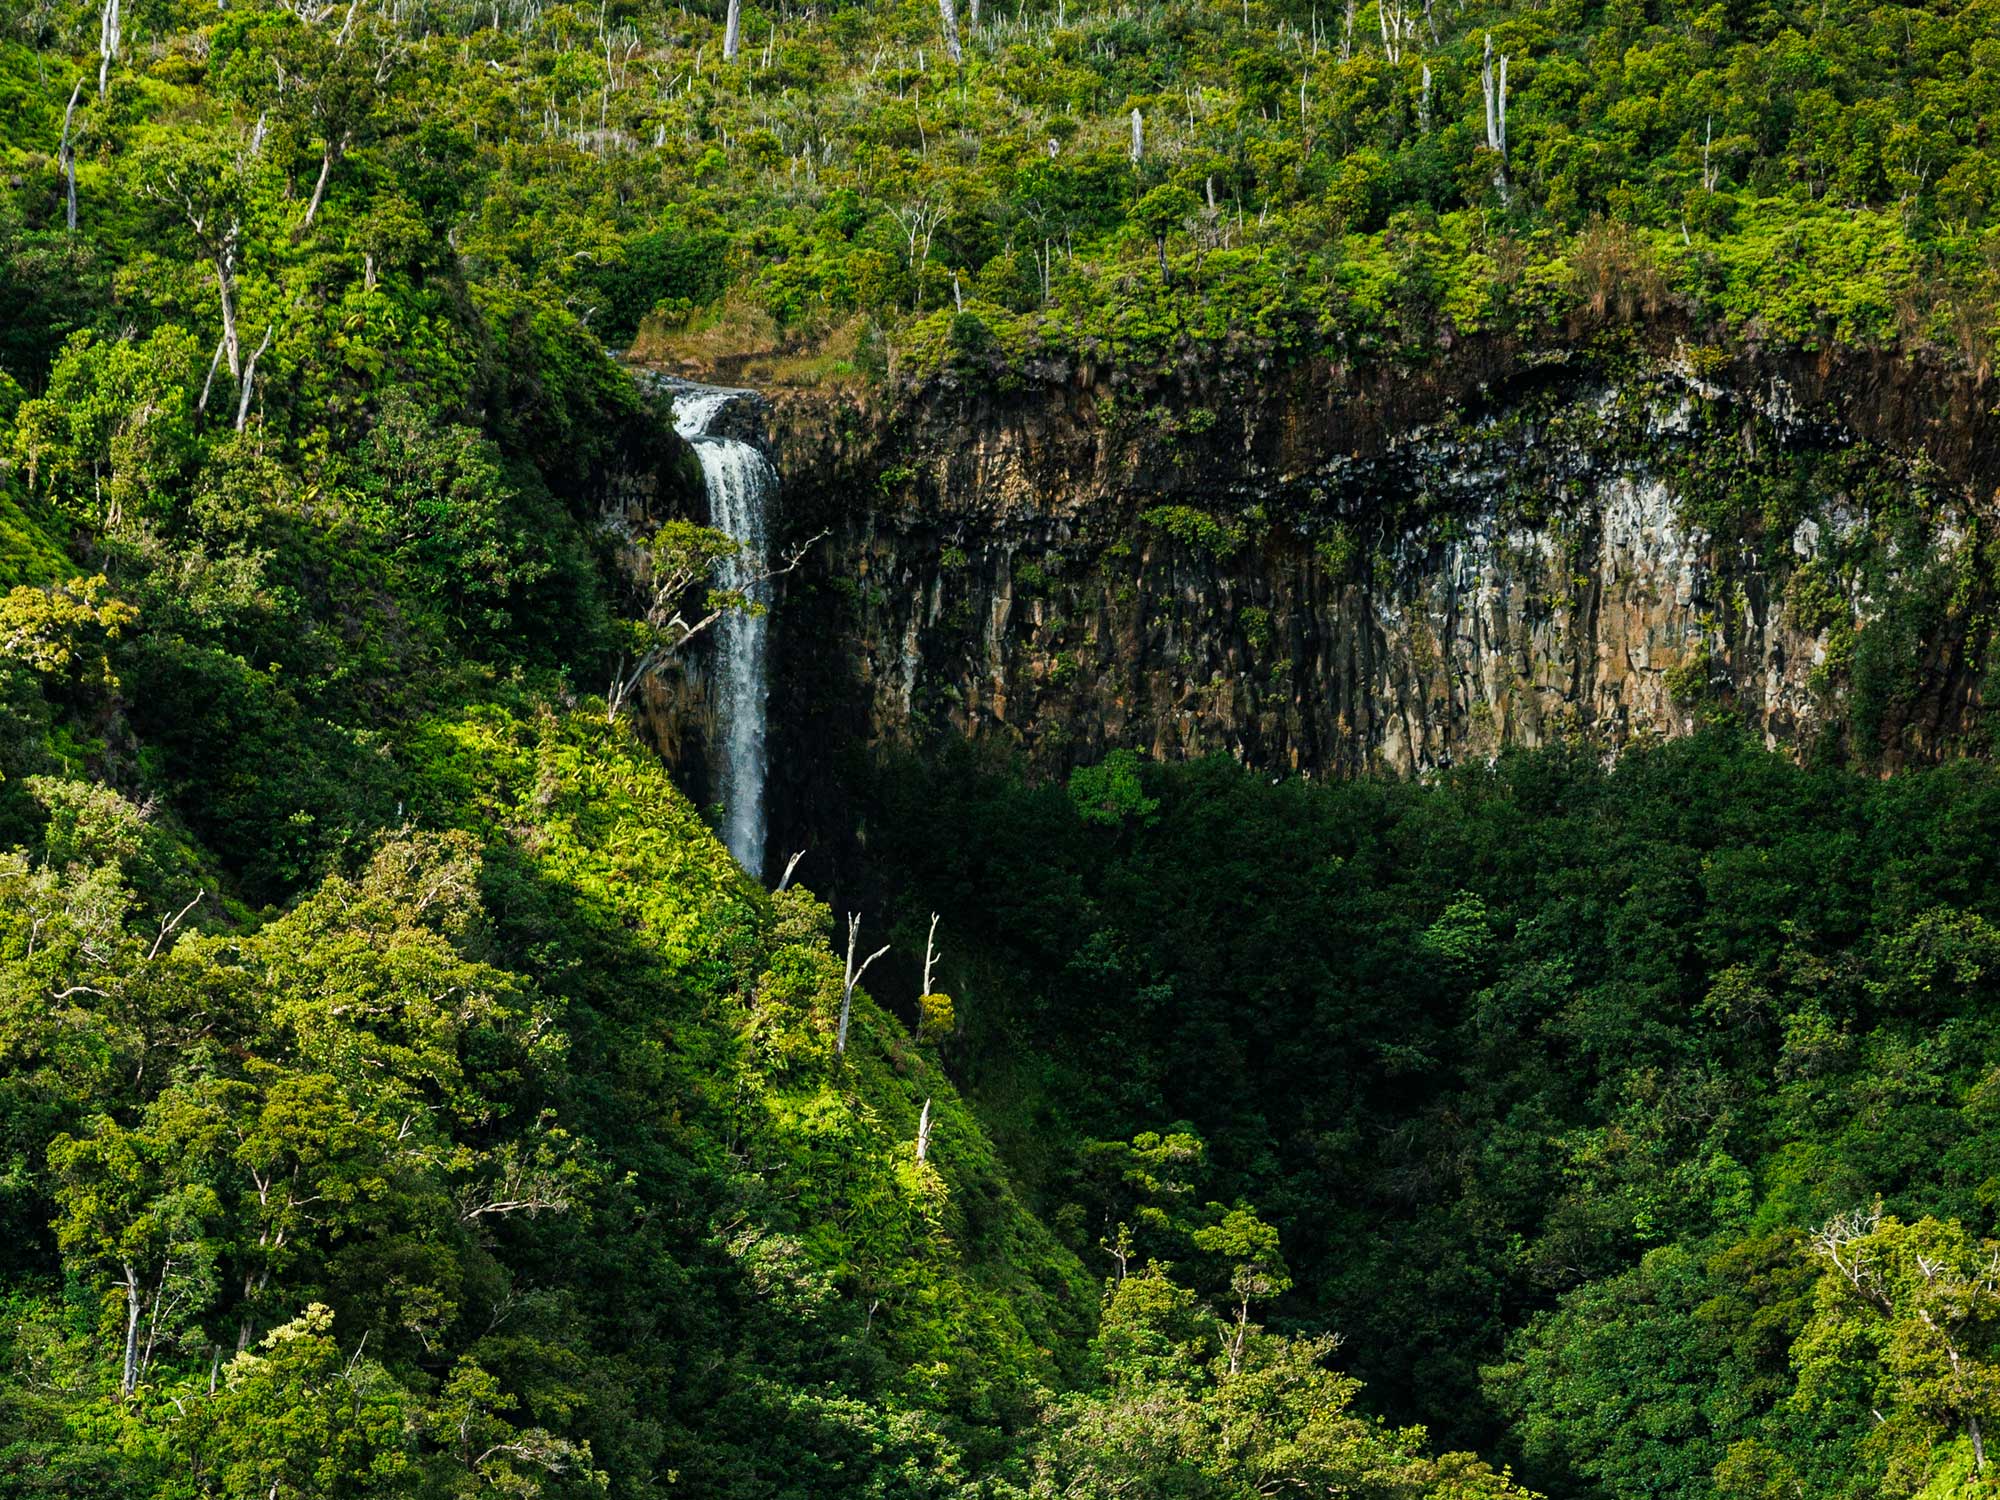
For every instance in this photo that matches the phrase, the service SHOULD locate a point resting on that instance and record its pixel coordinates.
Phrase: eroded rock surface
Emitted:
(1310, 583)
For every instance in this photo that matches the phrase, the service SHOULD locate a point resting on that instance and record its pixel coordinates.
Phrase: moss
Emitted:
(1337, 550)
(1197, 530)
(1256, 623)
(1688, 682)
(1814, 600)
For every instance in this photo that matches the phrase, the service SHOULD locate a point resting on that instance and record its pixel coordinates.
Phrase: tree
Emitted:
(935, 1013)
(1113, 792)
(139, 1216)
(66, 158)
(300, 1416)
(1257, 1271)
(206, 188)
(114, 438)
(1164, 210)
(948, 23)
(1906, 1329)
(1142, 1191)
(681, 556)
(482, 1452)
(852, 978)
(65, 632)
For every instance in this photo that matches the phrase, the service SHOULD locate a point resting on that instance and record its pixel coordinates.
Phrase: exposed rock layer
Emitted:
(1326, 576)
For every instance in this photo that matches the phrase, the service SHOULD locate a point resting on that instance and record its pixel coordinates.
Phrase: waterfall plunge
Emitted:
(740, 482)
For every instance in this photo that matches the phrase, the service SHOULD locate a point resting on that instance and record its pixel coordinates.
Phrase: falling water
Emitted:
(740, 482)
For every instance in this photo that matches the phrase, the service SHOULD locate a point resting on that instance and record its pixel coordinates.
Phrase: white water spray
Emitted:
(740, 483)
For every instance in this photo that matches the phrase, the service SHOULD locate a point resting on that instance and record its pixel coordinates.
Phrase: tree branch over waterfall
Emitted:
(681, 556)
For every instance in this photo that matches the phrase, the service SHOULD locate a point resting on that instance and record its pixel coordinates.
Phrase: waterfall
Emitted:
(740, 482)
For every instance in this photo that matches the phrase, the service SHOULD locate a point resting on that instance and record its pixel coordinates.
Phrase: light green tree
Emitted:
(1905, 1335)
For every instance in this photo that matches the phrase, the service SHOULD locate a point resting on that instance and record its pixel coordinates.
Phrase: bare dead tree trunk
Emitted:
(224, 284)
(1138, 138)
(931, 955)
(110, 31)
(1389, 16)
(67, 156)
(924, 1132)
(1242, 1332)
(853, 978)
(948, 20)
(334, 151)
(201, 406)
(153, 1318)
(732, 31)
(250, 376)
(790, 865)
(1494, 87)
(131, 1375)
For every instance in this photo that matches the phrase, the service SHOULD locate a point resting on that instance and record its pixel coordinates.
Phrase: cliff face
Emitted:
(1328, 578)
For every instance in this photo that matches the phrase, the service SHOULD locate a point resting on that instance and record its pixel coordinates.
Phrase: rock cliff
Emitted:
(1321, 573)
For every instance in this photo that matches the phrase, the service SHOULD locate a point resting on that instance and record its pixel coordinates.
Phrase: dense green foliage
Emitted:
(1310, 180)
(1553, 1080)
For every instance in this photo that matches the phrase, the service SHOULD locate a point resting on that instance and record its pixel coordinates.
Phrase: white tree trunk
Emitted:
(333, 151)
(110, 31)
(948, 20)
(225, 287)
(208, 385)
(853, 978)
(131, 1376)
(250, 378)
(1494, 88)
(732, 31)
(68, 158)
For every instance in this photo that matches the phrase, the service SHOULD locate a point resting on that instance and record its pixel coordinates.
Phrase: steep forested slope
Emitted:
(520, 1156)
